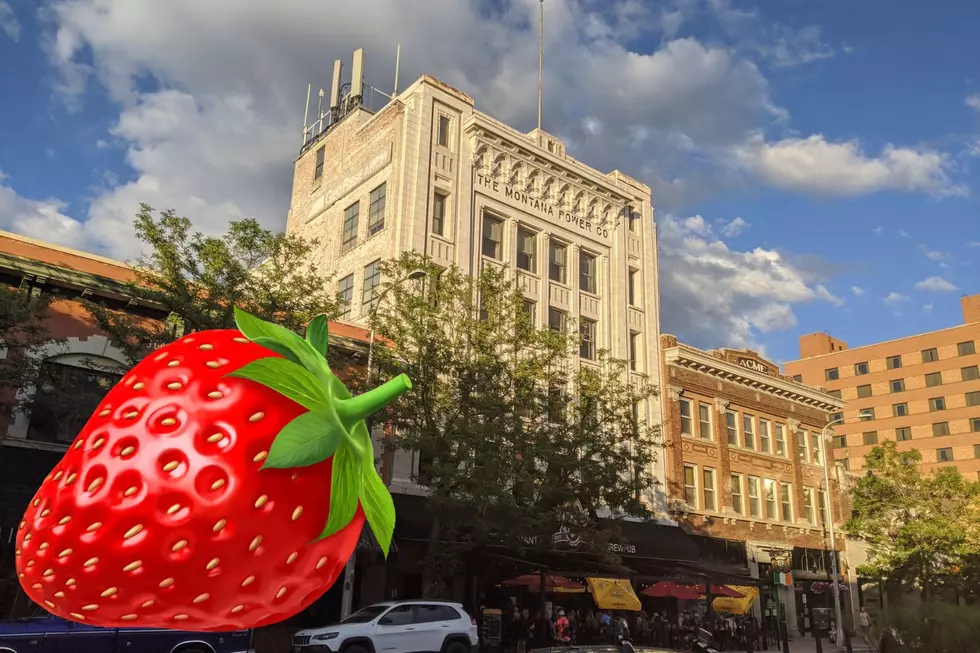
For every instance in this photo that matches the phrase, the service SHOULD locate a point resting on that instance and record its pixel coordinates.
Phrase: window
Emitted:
(631, 286)
(900, 410)
(971, 373)
(525, 249)
(765, 440)
(966, 348)
(822, 506)
(634, 350)
(318, 166)
(937, 403)
(755, 506)
(930, 355)
(780, 440)
(840, 441)
(556, 319)
(770, 489)
(586, 348)
(376, 209)
(870, 438)
(940, 429)
(708, 478)
(801, 447)
(816, 450)
(944, 455)
(860, 369)
(737, 494)
(372, 281)
(798, 378)
(704, 421)
(832, 374)
(864, 391)
(731, 425)
(867, 413)
(748, 432)
(973, 398)
(493, 237)
(933, 379)
(557, 258)
(834, 393)
(976, 451)
(903, 434)
(808, 512)
(690, 486)
(349, 239)
(439, 213)
(785, 494)
(586, 270)
(65, 398)
(687, 421)
(345, 294)
(837, 417)
(443, 135)
(530, 310)
(897, 385)
(975, 425)
(893, 362)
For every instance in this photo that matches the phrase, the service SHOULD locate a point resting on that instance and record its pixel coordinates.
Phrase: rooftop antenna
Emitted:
(398, 59)
(306, 111)
(319, 106)
(540, 59)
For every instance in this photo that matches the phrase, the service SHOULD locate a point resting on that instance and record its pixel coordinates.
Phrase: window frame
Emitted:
(780, 438)
(691, 491)
(351, 224)
(525, 235)
(556, 266)
(809, 509)
(731, 427)
(588, 333)
(709, 473)
(930, 355)
(683, 401)
(490, 221)
(588, 282)
(754, 483)
(900, 437)
(375, 274)
(890, 362)
(738, 497)
(440, 200)
(831, 374)
(376, 207)
(320, 158)
(748, 434)
(704, 432)
(346, 303)
(961, 350)
(862, 366)
(786, 500)
(771, 498)
(765, 436)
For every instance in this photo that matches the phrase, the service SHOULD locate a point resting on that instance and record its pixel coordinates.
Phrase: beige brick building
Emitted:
(922, 391)
(428, 172)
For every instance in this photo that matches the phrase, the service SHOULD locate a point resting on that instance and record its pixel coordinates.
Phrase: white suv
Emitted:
(396, 627)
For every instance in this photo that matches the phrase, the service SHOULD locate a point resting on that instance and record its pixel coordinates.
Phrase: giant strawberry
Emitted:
(222, 484)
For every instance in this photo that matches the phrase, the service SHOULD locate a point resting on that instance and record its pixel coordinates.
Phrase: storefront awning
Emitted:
(614, 594)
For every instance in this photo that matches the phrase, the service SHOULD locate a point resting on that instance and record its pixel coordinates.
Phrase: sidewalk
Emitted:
(809, 645)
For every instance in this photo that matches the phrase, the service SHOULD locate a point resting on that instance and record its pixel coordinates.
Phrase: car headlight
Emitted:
(324, 637)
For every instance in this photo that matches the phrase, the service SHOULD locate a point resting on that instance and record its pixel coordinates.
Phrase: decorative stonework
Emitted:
(674, 393)
(721, 405)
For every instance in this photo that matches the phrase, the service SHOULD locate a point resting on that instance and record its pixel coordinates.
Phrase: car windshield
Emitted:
(365, 615)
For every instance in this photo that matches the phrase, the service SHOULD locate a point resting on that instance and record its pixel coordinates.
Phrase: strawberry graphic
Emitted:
(221, 485)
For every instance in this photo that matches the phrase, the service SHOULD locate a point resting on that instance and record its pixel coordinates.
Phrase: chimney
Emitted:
(357, 74)
(338, 67)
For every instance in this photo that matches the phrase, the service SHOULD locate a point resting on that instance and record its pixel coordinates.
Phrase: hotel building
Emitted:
(428, 172)
(922, 391)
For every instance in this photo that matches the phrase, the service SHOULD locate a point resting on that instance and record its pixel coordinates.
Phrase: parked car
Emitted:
(395, 627)
(46, 633)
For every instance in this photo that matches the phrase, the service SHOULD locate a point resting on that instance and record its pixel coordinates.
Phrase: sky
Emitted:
(815, 164)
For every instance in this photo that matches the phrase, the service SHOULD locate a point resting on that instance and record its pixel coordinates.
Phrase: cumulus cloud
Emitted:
(858, 291)
(9, 24)
(973, 101)
(41, 219)
(734, 228)
(933, 254)
(935, 284)
(895, 299)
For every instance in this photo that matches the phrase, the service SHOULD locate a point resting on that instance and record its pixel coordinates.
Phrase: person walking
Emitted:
(864, 619)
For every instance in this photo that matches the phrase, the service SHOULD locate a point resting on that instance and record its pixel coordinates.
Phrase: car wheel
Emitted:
(356, 648)
(457, 647)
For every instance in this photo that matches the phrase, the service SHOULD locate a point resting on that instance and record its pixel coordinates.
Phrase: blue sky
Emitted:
(814, 163)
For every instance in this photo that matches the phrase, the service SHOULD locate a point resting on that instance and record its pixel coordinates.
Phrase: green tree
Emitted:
(514, 442)
(920, 528)
(199, 280)
(23, 334)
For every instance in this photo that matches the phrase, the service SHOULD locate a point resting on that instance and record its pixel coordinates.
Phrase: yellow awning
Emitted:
(736, 606)
(614, 594)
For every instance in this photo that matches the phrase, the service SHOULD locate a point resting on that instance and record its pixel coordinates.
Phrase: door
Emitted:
(396, 630)
(71, 637)
(433, 623)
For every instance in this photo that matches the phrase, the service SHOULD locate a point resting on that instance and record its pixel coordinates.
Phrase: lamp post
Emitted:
(864, 415)
(347, 599)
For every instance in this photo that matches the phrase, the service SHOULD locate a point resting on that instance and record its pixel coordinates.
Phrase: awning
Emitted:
(737, 606)
(614, 594)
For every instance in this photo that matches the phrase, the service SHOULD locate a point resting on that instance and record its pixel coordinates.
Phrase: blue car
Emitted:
(49, 634)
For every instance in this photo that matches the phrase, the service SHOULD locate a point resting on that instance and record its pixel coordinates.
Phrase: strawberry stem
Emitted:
(357, 408)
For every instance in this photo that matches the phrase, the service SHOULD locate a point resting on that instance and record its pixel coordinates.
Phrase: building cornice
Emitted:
(694, 359)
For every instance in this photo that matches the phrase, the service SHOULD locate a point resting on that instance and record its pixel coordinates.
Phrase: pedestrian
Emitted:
(864, 619)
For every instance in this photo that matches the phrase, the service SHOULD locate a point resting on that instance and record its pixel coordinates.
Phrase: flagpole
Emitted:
(540, 59)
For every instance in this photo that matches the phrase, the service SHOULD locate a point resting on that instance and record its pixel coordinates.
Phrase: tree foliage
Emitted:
(23, 334)
(199, 280)
(515, 443)
(922, 529)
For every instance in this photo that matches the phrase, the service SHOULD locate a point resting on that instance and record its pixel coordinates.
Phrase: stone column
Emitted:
(797, 466)
(724, 455)
(673, 445)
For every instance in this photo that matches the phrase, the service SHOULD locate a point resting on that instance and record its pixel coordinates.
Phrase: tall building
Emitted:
(746, 468)
(922, 391)
(428, 172)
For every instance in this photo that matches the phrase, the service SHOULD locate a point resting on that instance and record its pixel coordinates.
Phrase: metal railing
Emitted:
(373, 100)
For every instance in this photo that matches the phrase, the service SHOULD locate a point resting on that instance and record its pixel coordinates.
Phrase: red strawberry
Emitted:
(198, 494)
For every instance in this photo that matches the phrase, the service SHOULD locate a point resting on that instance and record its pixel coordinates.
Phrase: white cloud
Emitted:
(9, 24)
(817, 166)
(973, 101)
(734, 228)
(41, 219)
(903, 233)
(927, 308)
(858, 291)
(933, 254)
(975, 243)
(895, 299)
(878, 230)
(935, 284)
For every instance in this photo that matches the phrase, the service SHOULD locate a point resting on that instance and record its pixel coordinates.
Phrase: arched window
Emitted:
(68, 391)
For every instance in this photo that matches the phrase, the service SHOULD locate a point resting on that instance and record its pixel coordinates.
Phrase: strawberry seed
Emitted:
(261, 501)
(214, 563)
(237, 609)
(139, 386)
(171, 466)
(260, 456)
(322, 561)
(76, 616)
(297, 512)
(59, 594)
(133, 566)
(43, 546)
(127, 451)
(248, 581)
(65, 553)
(217, 485)
(292, 558)
(128, 617)
(173, 509)
(173, 363)
(201, 598)
(256, 417)
(109, 592)
(255, 543)
(49, 604)
(91, 562)
(221, 523)
(213, 364)
(94, 527)
(206, 347)
(130, 491)
(133, 532)
(181, 617)
(281, 592)
(104, 413)
(148, 604)
(168, 421)
(64, 520)
(166, 582)
(91, 607)
(215, 395)
(174, 386)
(178, 546)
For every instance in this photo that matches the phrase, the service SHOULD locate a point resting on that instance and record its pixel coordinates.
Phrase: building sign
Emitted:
(754, 365)
(334, 191)
(538, 207)
(566, 538)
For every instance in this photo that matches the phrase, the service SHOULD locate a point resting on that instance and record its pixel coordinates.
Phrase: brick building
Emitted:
(922, 391)
(745, 463)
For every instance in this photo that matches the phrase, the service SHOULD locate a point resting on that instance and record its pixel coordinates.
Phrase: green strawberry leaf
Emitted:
(317, 334)
(286, 378)
(254, 329)
(279, 348)
(307, 440)
(379, 508)
(345, 487)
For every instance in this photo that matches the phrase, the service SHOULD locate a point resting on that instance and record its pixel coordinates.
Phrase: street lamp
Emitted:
(347, 599)
(863, 415)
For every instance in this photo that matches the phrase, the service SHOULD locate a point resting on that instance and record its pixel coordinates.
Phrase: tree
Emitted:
(200, 279)
(515, 443)
(921, 528)
(23, 335)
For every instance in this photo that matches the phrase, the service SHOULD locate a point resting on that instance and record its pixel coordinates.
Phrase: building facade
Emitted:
(430, 173)
(922, 391)
(745, 463)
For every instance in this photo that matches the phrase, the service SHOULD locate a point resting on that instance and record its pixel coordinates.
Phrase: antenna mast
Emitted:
(540, 59)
